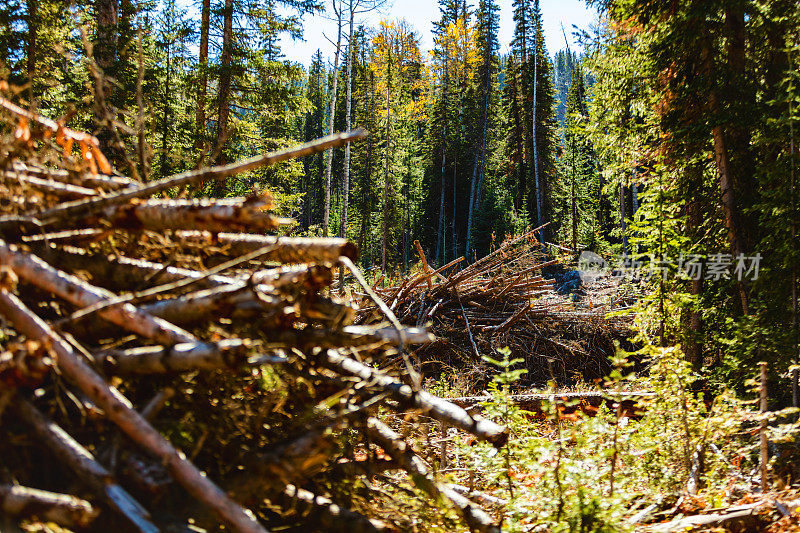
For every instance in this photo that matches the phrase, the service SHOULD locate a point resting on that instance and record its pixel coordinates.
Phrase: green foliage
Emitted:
(558, 471)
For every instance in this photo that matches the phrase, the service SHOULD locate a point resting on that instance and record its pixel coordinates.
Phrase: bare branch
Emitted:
(85, 207)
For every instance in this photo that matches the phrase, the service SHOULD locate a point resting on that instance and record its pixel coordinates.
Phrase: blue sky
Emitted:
(422, 13)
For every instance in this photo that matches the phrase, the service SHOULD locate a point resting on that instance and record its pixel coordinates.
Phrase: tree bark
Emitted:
(165, 124)
(82, 294)
(62, 509)
(347, 113)
(226, 214)
(575, 207)
(105, 55)
(472, 193)
(440, 244)
(105, 50)
(326, 210)
(285, 249)
(202, 82)
(225, 79)
(33, 27)
(622, 215)
(726, 182)
(690, 318)
(537, 182)
(385, 232)
(729, 180)
(366, 180)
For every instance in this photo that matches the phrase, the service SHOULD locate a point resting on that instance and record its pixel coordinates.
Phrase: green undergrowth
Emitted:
(585, 472)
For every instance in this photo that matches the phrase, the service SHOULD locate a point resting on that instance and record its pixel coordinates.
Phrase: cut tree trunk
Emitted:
(118, 409)
(81, 462)
(62, 509)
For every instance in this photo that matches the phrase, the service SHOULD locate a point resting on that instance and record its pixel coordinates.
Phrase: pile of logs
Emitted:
(501, 300)
(153, 342)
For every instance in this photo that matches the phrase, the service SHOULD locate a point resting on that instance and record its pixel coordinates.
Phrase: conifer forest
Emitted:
(440, 277)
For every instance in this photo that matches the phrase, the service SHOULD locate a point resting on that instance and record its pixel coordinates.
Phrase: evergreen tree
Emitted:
(578, 198)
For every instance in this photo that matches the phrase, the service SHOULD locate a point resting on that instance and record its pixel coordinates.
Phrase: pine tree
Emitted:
(578, 195)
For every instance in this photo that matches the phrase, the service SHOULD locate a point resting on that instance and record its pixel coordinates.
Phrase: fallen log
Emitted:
(128, 273)
(286, 249)
(228, 214)
(84, 466)
(737, 519)
(475, 518)
(86, 180)
(47, 186)
(568, 401)
(326, 514)
(81, 208)
(65, 510)
(478, 496)
(79, 293)
(348, 336)
(119, 410)
(186, 357)
(430, 405)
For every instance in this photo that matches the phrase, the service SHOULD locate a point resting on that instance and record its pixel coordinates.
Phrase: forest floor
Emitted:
(563, 468)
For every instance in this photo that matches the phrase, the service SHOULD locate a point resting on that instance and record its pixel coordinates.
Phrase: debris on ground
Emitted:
(505, 300)
(144, 352)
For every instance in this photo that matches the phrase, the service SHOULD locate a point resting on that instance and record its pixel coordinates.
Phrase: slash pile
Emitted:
(166, 354)
(502, 300)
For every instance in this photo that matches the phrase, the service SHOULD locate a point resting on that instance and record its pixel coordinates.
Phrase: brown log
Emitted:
(86, 180)
(430, 405)
(82, 294)
(81, 208)
(232, 302)
(228, 214)
(287, 249)
(425, 267)
(326, 514)
(83, 465)
(65, 510)
(77, 235)
(186, 357)
(119, 410)
(348, 336)
(475, 518)
(737, 519)
(127, 273)
(46, 186)
(533, 401)
(294, 277)
(478, 496)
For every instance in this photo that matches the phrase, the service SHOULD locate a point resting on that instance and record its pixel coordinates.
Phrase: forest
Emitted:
(485, 286)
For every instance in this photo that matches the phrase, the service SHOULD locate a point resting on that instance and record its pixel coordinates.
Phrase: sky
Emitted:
(421, 14)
